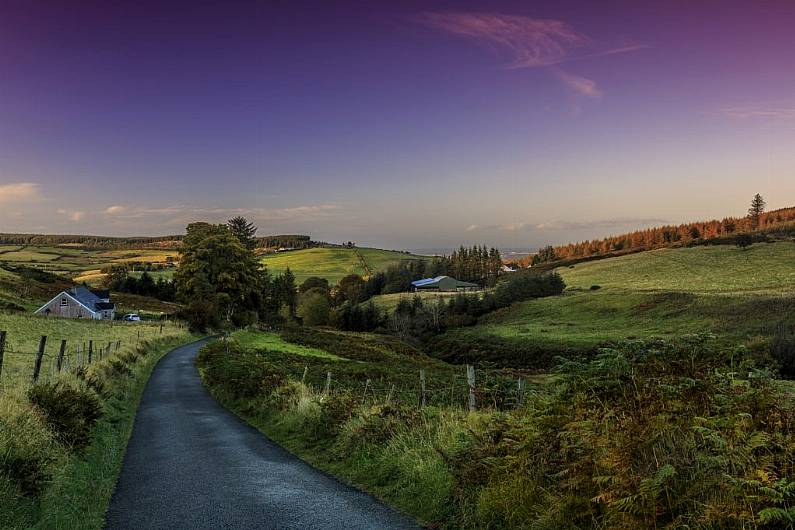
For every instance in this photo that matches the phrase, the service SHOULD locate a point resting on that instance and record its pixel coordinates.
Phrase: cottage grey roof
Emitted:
(89, 299)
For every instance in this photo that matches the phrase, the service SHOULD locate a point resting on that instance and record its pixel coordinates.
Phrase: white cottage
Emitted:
(80, 302)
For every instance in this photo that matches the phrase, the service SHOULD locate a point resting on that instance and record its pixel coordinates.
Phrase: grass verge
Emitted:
(82, 482)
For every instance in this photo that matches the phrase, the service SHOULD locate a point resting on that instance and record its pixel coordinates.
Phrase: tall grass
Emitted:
(650, 434)
(62, 440)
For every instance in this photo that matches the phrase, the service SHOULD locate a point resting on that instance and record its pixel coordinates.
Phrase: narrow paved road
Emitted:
(192, 464)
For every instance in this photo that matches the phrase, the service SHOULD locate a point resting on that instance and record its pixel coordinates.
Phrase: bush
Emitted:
(527, 286)
(69, 409)
(240, 374)
(595, 287)
(783, 350)
(28, 449)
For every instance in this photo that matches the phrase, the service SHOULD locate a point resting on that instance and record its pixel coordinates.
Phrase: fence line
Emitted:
(470, 395)
(62, 360)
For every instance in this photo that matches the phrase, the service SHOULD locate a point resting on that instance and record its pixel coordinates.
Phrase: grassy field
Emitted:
(740, 295)
(24, 332)
(389, 302)
(333, 263)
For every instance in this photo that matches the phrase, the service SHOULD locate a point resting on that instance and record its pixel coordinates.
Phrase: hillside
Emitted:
(773, 225)
(740, 295)
(333, 263)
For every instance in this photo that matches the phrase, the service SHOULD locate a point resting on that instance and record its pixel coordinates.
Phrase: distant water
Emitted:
(506, 253)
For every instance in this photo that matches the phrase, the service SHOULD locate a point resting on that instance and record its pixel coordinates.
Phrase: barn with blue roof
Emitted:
(444, 284)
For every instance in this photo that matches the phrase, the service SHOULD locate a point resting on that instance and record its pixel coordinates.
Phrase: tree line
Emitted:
(731, 229)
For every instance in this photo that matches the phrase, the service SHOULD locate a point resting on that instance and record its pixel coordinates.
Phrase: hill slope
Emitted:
(741, 295)
(333, 263)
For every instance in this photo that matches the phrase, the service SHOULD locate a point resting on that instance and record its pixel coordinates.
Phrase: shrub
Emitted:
(783, 350)
(240, 374)
(28, 449)
(69, 409)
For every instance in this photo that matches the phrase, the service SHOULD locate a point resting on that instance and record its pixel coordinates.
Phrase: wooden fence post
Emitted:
(61, 352)
(39, 357)
(328, 383)
(303, 377)
(423, 395)
(471, 383)
(364, 395)
(161, 327)
(90, 351)
(2, 349)
(520, 392)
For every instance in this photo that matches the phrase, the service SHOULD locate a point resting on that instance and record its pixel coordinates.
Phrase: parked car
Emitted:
(131, 317)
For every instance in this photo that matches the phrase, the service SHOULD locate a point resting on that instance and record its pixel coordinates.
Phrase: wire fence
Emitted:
(471, 389)
(52, 357)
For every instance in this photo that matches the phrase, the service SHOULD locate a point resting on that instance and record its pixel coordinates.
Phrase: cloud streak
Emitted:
(619, 222)
(525, 42)
(758, 111)
(581, 85)
(19, 191)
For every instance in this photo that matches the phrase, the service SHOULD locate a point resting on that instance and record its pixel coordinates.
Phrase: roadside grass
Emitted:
(648, 435)
(332, 263)
(81, 491)
(52, 484)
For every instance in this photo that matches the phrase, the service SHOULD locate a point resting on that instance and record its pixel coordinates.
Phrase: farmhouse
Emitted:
(80, 302)
(443, 283)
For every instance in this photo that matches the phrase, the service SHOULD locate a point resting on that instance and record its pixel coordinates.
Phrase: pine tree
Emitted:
(244, 231)
(756, 210)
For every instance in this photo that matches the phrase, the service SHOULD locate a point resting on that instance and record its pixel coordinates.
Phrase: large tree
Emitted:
(246, 232)
(756, 210)
(218, 278)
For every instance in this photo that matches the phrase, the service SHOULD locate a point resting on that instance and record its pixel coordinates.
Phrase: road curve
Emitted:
(192, 464)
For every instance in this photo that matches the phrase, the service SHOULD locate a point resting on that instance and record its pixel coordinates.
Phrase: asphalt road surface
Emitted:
(192, 464)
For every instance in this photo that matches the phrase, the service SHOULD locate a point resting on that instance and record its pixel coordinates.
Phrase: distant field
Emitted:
(333, 263)
(740, 295)
(77, 263)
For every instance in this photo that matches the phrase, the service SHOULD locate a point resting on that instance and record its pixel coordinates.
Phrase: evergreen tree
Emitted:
(244, 231)
(756, 210)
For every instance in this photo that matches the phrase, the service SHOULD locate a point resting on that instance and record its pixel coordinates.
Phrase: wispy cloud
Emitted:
(581, 85)
(178, 214)
(72, 215)
(757, 111)
(115, 209)
(619, 222)
(19, 191)
(525, 42)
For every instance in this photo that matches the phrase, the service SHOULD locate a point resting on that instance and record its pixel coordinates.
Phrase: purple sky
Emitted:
(408, 125)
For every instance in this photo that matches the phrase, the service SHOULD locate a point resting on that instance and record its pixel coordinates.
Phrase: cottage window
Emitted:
(64, 302)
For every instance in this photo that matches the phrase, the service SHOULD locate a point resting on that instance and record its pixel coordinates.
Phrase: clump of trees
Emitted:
(119, 279)
(730, 229)
(222, 284)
